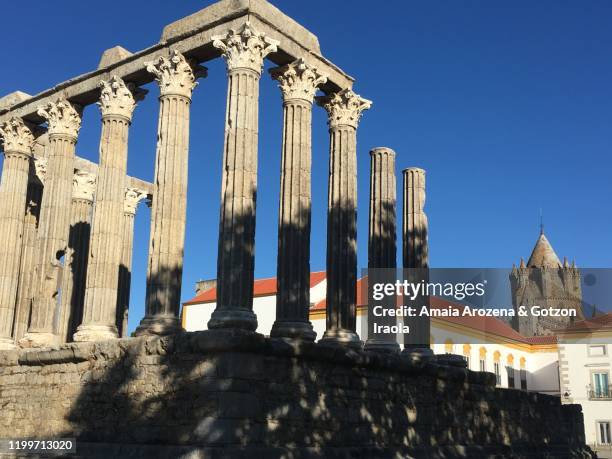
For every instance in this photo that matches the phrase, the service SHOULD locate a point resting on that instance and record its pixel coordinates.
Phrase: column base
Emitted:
(7, 344)
(39, 339)
(381, 345)
(88, 332)
(346, 338)
(293, 330)
(159, 326)
(244, 319)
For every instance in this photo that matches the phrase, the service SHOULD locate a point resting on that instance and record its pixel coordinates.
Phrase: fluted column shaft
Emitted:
(64, 124)
(132, 197)
(298, 83)
(125, 274)
(18, 141)
(382, 248)
(244, 52)
(164, 276)
(344, 110)
(75, 274)
(416, 254)
(29, 257)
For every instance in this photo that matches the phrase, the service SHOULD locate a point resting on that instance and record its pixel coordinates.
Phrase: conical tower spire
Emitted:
(543, 254)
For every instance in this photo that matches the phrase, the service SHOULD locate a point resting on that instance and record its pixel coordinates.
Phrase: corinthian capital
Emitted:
(118, 98)
(298, 80)
(64, 118)
(245, 48)
(175, 75)
(83, 185)
(17, 136)
(133, 196)
(344, 108)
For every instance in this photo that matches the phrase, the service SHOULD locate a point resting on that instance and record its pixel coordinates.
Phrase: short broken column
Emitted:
(75, 271)
(298, 83)
(382, 248)
(133, 196)
(64, 119)
(416, 255)
(117, 103)
(176, 79)
(244, 51)
(18, 142)
(344, 110)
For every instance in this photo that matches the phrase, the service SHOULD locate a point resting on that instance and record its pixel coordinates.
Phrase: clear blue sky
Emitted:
(508, 105)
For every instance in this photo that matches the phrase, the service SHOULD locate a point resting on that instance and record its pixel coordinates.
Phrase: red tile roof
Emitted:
(601, 322)
(261, 287)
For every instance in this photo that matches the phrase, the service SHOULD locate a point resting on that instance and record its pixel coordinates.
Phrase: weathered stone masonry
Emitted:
(215, 393)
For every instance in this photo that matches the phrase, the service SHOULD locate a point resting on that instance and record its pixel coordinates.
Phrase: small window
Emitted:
(483, 365)
(523, 379)
(603, 430)
(597, 350)
(497, 373)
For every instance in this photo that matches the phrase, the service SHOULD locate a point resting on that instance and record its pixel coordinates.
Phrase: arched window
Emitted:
(448, 346)
(510, 370)
(496, 368)
(467, 351)
(483, 358)
(523, 373)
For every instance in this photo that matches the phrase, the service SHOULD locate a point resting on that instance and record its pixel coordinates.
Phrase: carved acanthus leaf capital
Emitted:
(298, 80)
(118, 98)
(175, 75)
(16, 136)
(245, 48)
(344, 108)
(133, 196)
(64, 118)
(83, 185)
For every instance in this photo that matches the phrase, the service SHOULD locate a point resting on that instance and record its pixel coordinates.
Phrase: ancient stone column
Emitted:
(382, 248)
(176, 78)
(344, 109)
(244, 51)
(132, 197)
(415, 253)
(75, 271)
(18, 142)
(298, 83)
(25, 291)
(117, 103)
(64, 121)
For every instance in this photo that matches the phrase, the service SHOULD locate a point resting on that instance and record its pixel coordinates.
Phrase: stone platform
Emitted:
(226, 394)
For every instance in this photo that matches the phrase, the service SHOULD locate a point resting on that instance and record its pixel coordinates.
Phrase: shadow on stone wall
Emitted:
(225, 393)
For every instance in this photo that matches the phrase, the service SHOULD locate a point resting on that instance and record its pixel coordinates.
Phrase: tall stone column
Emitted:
(244, 51)
(64, 121)
(298, 83)
(416, 253)
(132, 197)
(176, 78)
(344, 109)
(117, 103)
(25, 291)
(75, 271)
(18, 142)
(382, 249)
